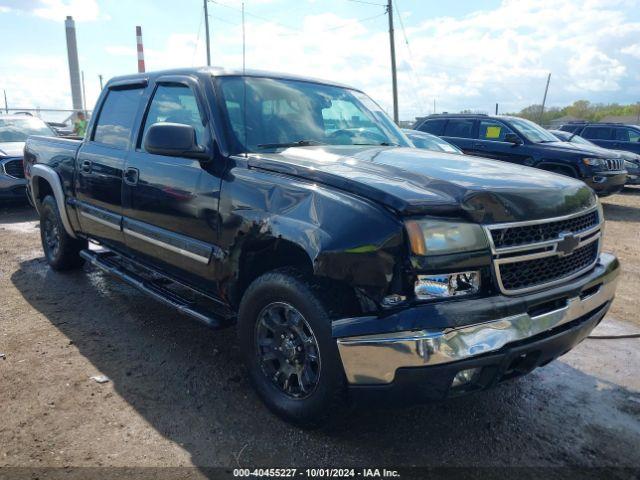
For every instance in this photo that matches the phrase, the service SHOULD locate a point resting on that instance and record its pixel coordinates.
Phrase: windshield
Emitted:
(431, 142)
(283, 113)
(532, 131)
(18, 129)
(578, 139)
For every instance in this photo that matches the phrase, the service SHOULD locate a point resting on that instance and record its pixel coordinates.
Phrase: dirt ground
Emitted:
(177, 395)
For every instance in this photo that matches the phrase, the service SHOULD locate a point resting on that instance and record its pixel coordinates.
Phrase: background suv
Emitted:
(14, 130)
(631, 160)
(517, 140)
(608, 135)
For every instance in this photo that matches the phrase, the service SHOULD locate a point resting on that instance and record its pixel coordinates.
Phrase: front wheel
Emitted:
(284, 332)
(61, 250)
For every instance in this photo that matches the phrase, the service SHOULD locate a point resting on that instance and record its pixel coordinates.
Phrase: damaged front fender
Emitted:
(346, 238)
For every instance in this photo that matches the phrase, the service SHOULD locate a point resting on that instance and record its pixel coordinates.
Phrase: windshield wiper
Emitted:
(299, 143)
(382, 144)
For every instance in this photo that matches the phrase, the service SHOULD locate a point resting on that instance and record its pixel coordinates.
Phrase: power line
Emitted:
(295, 29)
(411, 60)
(195, 48)
(368, 3)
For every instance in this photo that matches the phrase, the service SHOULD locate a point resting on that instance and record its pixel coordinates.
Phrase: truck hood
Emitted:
(579, 149)
(414, 181)
(11, 149)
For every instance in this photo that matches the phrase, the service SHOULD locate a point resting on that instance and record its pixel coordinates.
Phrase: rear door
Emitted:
(461, 132)
(434, 126)
(171, 203)
(601, 135)
(100, 163)
(626, 138)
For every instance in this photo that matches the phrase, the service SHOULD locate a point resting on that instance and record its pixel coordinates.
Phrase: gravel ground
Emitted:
(178, 397)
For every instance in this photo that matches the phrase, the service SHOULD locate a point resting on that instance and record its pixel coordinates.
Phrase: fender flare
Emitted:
(52, 178)
(549, 163)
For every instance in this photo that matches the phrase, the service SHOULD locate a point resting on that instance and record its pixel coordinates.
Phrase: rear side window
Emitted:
(116, 117)
(461, 128)
(597, 133)
(433, 127)
(627, 135)
(175, 104)
(570, 128)
(495, 131)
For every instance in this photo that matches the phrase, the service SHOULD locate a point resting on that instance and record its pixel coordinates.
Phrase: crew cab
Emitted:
(353, 266)
(517, 140)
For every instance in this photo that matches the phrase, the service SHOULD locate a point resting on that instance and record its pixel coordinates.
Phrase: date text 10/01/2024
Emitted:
(316, 472)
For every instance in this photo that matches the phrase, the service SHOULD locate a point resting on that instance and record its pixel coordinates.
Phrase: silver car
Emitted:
(14, 130)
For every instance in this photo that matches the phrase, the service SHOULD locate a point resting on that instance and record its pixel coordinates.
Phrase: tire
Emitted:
(325, 403)
(60, 249)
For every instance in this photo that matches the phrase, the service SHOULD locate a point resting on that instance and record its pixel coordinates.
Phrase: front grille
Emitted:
(527, 234)
(14, 168)
(539, 271)
(615, 164)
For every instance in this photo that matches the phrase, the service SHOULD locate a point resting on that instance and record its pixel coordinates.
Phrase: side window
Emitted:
(597, 133)
(433, 127)
(624, 134)
(491, 130)
(461, 128)
(116, 117)
(174, 104)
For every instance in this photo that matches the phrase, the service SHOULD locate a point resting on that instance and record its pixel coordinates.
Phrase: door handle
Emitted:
(85, 167)
(131, 176)
(478, 145)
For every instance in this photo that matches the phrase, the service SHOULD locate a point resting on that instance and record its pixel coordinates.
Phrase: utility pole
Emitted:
(6, 105)
(206, 32)
(434, 106)
(101, 86)
(496, 109)
(394, 77)
(544, 99)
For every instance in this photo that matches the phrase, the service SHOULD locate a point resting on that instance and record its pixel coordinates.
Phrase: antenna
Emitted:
(243, 42)
(244, 84)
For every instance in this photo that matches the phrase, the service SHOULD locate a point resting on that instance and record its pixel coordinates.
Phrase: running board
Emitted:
(200, 306)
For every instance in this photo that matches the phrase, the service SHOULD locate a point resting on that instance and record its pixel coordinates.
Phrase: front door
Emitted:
(171, 203)
(490, 143)
(100, 163)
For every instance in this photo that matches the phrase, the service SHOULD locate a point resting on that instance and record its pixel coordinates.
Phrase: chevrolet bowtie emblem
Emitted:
(567, 244)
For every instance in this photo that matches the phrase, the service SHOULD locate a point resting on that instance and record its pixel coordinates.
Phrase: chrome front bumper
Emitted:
(374, 359)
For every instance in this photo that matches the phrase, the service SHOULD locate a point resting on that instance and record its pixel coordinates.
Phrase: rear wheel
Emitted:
(285, 338)
(61, 250)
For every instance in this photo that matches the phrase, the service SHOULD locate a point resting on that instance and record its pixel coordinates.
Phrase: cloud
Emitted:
(471, 62)
(57, 10)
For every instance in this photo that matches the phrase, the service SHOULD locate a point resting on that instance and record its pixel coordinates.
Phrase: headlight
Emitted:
(438, 237)
(594, 162)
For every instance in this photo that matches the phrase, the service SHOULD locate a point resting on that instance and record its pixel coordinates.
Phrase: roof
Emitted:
(632, 119)
(223, 72)
(15, 116)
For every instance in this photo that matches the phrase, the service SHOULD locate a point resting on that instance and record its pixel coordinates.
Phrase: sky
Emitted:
(459, 54)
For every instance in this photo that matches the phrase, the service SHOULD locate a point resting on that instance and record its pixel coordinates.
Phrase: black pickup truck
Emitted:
(353, 266)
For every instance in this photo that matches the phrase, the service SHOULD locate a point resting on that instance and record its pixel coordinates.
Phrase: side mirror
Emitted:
(512, 138)
(173, 140)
